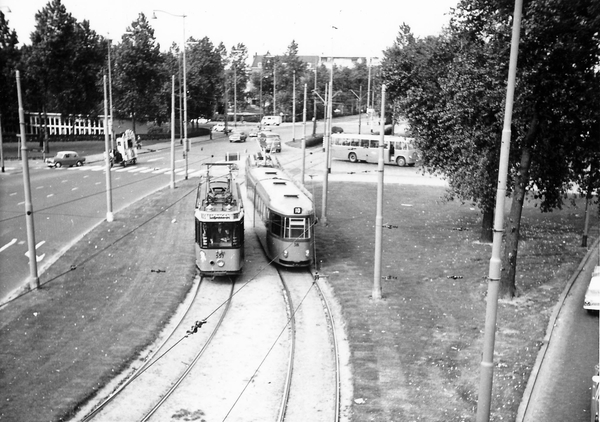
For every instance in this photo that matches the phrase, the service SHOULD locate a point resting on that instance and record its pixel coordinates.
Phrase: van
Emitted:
(271, 120)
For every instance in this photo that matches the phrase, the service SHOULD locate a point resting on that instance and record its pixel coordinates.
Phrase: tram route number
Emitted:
(297, 210)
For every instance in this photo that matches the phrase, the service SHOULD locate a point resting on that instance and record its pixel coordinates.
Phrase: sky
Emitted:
(319, 27)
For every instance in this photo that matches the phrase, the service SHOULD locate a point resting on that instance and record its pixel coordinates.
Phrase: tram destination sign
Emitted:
(218, 215)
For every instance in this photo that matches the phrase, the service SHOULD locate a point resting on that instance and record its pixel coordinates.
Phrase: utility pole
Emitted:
(379, 216)
(109, 213)
(293, 106)
(303, 138)
(34, 280)
(172, 185)
(487, 360)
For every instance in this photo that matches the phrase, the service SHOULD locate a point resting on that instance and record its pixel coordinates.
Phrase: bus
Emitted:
(356, 147)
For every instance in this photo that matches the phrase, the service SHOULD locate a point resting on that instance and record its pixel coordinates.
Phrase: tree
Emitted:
(9, 60)
(139, 74)
(205, 72)
(451, 89)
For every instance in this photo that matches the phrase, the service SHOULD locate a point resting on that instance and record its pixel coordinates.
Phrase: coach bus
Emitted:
(356, 147)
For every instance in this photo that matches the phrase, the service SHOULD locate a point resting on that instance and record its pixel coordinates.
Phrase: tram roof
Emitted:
(283, 195)
(219, 195)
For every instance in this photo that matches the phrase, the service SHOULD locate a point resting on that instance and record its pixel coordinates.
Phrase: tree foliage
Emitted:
(138, 73)
(451, 89)
(9, 61)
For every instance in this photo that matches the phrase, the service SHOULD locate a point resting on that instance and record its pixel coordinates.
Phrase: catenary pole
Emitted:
(379, 216)
(172, 132)
(293, 106)
(487, 359)
(107, 128)
(304, 138)
(34, 280)
(1, 146)
(325, 171)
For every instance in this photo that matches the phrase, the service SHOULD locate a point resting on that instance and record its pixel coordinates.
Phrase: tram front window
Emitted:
(219, 235)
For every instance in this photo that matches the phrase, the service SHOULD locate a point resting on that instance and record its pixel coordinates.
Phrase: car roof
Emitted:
(66, 152)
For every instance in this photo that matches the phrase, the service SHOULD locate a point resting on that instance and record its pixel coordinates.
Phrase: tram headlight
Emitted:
(220, 263)
(202, 256)
(307, 253)
(285, 254)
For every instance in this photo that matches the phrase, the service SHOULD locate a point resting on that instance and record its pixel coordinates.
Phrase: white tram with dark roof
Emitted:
(283, 213)
(219, 222)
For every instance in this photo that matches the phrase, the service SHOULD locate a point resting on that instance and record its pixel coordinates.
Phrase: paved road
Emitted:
(561, 392)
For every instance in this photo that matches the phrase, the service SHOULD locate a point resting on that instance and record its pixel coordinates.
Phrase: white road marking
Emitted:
(8, 245)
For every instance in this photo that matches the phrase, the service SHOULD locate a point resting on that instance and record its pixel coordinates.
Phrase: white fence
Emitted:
(77, 125)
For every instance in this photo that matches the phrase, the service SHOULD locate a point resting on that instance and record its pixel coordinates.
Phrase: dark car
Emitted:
(65, 158)
(237, 136)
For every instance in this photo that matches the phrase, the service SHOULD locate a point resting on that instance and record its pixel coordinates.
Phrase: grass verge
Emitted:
(416, 353)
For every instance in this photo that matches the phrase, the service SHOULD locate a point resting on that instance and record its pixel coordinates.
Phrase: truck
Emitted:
(270, 121)
(125, 152)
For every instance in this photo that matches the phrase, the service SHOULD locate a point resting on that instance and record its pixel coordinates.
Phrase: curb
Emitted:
(525, 400)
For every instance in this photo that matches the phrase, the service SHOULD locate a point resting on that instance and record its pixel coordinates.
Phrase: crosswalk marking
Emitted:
(139, 169)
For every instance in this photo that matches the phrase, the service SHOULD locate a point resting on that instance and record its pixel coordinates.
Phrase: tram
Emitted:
(283, 212)
(219, 222)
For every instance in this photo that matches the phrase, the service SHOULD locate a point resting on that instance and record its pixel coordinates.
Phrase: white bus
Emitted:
(356, 147)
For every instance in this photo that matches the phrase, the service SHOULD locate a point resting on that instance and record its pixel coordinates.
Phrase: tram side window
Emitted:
(276, 224)
(297, 228)
(364, 143)
(201, 237)
(238, 234)
(354, 143)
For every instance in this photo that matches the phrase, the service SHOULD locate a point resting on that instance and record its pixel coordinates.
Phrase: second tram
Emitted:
(219, 223)
(284, 210)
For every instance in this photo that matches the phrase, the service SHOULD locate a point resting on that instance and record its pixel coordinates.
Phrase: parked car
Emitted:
(253, 133)
(237, 136)
(65, 158)
(269, 141)
(591, 301)
(219, 127)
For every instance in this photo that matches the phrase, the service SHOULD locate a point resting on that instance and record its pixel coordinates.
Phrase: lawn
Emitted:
(416, 353)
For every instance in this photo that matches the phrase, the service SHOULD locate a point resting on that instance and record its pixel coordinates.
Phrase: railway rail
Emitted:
(160, 374)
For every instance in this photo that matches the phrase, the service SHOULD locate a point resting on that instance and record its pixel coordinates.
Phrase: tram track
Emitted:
(170, 362)
(313, 388)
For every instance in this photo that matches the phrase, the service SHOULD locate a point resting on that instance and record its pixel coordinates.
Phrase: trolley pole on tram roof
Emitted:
(109, 213)
(379, 216)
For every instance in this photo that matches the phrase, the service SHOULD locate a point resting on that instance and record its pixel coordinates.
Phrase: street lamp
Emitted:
(185, 133)
(268, 56)
(234, 64)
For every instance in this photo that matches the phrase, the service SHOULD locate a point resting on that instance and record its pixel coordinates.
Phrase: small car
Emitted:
(269, 141)
(237, 136)
(253, 133)
(65, 158)
(219, 127)
(591, 301)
